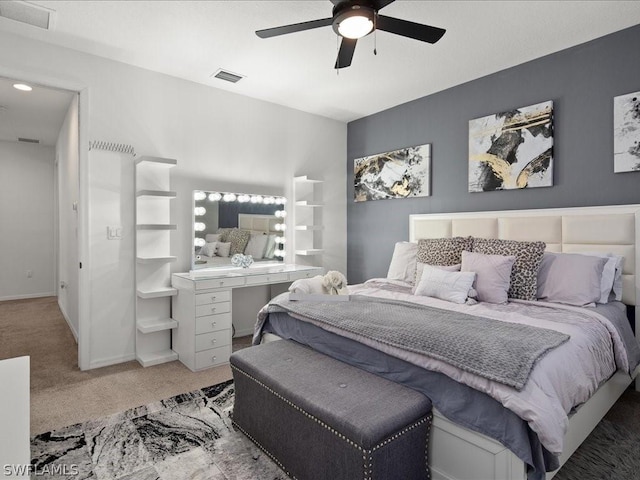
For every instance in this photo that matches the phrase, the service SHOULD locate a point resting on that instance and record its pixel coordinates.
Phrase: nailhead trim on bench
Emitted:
(367, 454)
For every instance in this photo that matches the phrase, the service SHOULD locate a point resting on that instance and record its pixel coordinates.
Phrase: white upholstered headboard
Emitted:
(258, 223)
(580, 229)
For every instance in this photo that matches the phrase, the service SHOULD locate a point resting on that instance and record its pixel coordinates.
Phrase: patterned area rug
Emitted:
(190, 437)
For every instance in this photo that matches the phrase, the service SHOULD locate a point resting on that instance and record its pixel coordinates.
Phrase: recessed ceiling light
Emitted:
(22, 86)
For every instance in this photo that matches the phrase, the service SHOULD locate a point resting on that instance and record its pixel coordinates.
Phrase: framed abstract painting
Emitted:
(401, 173)
(512, 149)
(626, 133)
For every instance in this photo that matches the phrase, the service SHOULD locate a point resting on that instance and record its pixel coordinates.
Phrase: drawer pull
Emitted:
(213, 309)
(213, 298)
(221, 283)
(213, 359)
(213, 324)
(213, 342)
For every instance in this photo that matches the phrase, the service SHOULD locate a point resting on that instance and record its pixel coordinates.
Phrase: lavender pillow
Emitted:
(569, 278)
(493, 275)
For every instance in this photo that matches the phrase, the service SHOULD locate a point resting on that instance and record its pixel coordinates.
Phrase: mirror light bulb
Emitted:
(197, 196)
(199, 211)
(199, 242)
(199, 226)
(215, 197)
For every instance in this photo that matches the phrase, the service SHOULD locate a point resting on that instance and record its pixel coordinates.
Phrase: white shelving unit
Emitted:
(153, 258)
(307, 221)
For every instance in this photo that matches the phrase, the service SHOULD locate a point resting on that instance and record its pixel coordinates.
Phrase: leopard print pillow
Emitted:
(224, 234)
(238, 239)
(442, 251)
(524, 274)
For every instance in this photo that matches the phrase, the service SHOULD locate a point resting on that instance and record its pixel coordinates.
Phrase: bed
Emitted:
(461, 452)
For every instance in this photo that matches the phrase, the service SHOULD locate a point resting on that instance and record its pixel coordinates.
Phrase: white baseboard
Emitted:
(243, 333)
(66, 317)
(29, 295)
(105, 362)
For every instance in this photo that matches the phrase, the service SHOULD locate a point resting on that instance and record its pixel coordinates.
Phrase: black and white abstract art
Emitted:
(511, 150)
(402, 173)
(626, 133)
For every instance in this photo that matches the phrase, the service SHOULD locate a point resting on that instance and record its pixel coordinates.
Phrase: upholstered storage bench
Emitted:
(319, 418)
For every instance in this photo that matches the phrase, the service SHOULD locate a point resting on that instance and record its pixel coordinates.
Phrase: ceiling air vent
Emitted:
(27, 13)
(28, 140)
(227, 75)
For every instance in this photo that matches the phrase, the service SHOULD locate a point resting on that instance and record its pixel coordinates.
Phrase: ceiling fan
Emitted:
(354, 19)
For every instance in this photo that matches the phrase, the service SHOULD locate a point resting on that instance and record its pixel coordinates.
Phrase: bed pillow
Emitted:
(450, 286)
(256, 246)
(212, 237)
(571, 278)
(223, 249)
(224, 234)
(493, 275)
(238, 239)
(209, 249)
(611, 276)
(524, 273)
(442, 251)
(403, 262)
(420, 268)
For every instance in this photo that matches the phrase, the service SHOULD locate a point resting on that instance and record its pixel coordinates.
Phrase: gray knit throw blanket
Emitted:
(500, 351)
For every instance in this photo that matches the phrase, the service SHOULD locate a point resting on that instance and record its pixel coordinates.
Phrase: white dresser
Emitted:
(203, 308)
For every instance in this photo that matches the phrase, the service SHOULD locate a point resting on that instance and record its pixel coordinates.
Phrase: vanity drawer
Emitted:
(213, 308)
(207, 341)
(267, 278)
(212, 357)
(219, 283)
(303, 274)
(211, 323)
(213, 297)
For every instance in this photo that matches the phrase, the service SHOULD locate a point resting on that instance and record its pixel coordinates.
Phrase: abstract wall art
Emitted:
(626, 133)
(512, 149)
(402, 173)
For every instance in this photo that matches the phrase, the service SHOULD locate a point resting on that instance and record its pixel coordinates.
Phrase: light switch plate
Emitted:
(114, 233)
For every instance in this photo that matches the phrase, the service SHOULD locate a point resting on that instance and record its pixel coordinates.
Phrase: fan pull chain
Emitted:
(375, 33)
(337, 53)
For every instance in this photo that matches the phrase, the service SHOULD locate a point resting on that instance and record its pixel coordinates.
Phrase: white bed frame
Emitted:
(460, 454)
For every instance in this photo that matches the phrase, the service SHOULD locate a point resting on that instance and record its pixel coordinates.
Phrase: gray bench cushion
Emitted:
(321, 418)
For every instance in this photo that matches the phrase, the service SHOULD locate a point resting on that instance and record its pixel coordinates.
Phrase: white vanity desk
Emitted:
(203, 307)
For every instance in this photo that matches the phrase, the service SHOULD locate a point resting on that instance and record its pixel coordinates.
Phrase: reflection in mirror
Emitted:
(228, 223)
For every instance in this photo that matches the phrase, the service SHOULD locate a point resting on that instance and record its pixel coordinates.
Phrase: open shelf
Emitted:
(149, 226)
(304, 178)
(157, 292)
(304, 203)
(156, 193)
(155, 358)
(149, 325)
(310, 251)
(157, 161)
(309, 227)
(148, 260)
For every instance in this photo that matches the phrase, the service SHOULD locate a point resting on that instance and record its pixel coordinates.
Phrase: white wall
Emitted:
(221, 141)
(68, 195)
(26, 220)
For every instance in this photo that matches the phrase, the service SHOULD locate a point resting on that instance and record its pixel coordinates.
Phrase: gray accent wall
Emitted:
(581, 81)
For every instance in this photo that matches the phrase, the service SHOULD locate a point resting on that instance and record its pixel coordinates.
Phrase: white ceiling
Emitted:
(192, 39)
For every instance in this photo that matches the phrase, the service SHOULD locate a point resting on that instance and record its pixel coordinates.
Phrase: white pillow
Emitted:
(403, 262)
(420, 268)
(209, 249)
(256, 246)
(223, 249)
(450, 286)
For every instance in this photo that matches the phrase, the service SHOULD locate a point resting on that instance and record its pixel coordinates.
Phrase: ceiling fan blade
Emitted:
(296, 27)
(379, 4)
(417, 31)
(345, 54)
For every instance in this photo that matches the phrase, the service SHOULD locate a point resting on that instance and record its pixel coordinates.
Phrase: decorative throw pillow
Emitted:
(238, 239)
(224, 234)
(450, 286)
(256, 246)
(569, 278)
(493, 275)
(403, 262)
(420, 268)
(443, 251)
(209, 249)
(223, 249)
(525, 269)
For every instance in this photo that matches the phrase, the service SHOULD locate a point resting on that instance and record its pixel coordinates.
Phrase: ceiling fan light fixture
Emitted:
(355, 22)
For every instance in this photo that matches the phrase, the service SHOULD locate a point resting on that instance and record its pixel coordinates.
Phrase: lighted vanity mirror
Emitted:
(225, 224)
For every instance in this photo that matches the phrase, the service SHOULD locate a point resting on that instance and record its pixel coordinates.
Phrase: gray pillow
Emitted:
(403, 262)
(568, 278)
(450, 286)
(493, 275)
(525, 269)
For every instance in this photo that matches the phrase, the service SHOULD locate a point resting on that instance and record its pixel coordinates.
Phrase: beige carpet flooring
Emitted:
(62, 394)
